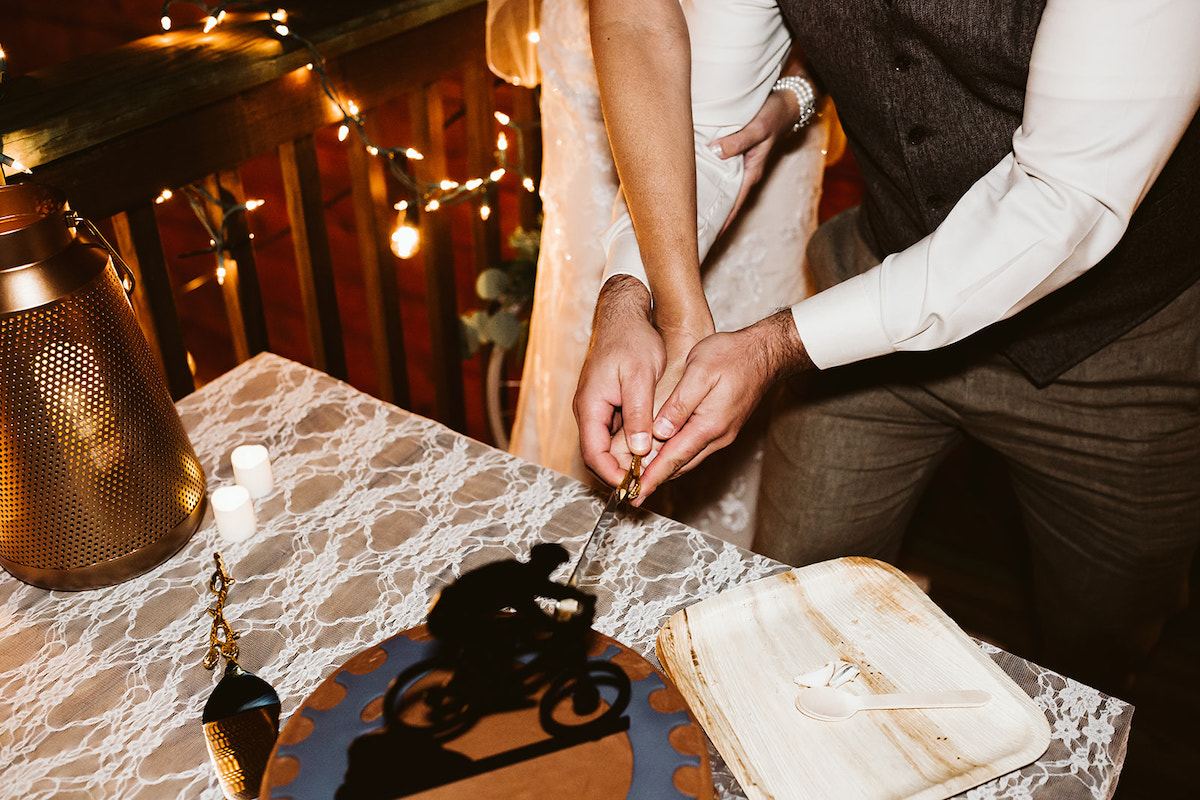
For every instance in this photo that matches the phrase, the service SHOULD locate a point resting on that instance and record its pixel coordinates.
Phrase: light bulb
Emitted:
(485, 212)
(282, 30)
(343, 132)
(497, 174)
(528, 184)
(501, 142)
(209, 23)
(502, 118)
(433, 205)
(474, 184)
(534, 37)
(166, 22)
(413, 154)
(406, 241)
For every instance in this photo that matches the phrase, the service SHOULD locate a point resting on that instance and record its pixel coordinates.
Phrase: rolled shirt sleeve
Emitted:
(1112, 86)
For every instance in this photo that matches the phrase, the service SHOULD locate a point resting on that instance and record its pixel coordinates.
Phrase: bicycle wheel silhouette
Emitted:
(574, 700)
(422, 698)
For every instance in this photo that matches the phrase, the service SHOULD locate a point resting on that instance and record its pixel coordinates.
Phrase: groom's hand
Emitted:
(624, 362)
(725, 378)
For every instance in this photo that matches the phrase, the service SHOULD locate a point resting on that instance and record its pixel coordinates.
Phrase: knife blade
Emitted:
(627, 490)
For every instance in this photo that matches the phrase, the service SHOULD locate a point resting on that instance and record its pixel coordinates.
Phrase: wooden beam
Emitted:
(77, 105)
(479, 100)
(437, 254)
(227, 276)
(105, 170)
(141, 247)
(252, 316)
(373, 215)
(525, 111)
(314, 263)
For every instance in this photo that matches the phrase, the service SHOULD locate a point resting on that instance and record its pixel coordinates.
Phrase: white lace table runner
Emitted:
(374, 510)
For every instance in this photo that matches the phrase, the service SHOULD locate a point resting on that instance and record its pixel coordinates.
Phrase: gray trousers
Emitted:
(1104, 462)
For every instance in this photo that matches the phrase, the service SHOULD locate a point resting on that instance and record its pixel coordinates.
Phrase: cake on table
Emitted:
(506, 692)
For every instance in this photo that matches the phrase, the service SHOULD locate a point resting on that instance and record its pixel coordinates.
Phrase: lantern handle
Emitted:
(128, 283)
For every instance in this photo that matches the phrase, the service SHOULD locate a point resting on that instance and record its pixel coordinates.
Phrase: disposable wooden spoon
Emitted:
(831, 705)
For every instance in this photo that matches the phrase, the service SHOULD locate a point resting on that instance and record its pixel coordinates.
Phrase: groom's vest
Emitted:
(930, 93)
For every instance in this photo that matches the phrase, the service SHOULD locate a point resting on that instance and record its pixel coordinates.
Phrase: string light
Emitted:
(430, 196)
(406, 238)
(200, 201)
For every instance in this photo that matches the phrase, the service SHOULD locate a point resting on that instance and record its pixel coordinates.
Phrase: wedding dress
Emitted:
(756, 267)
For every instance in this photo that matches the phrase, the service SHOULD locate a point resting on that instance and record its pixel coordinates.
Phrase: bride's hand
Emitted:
(755, 142)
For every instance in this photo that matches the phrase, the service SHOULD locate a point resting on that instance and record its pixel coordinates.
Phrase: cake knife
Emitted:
(627, 490)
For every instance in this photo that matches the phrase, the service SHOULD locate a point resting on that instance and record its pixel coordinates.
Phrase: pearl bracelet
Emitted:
(806, 96)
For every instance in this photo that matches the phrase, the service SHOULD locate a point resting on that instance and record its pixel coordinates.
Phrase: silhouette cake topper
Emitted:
(503, 644)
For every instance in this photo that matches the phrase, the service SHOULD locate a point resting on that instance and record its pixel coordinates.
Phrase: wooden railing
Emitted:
(184, 107)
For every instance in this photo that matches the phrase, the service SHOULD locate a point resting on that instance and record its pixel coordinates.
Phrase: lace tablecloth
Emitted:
(374, 510)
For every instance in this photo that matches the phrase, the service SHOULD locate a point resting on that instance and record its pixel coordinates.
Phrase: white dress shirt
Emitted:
(1112, 86)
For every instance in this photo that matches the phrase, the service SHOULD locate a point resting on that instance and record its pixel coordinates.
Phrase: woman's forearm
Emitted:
(643, 65)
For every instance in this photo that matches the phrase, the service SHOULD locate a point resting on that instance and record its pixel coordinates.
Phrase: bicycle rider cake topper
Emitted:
(500, 646)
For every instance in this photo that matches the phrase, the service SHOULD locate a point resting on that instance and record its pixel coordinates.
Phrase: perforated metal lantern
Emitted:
(98, 481)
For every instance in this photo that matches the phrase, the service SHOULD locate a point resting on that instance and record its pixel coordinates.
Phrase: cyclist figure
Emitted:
(503, 644)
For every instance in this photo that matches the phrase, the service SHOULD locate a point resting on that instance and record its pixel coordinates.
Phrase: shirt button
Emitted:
(917, 134)
(902, 63)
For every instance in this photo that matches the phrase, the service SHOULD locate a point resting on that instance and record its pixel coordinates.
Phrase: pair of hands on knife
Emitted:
(666, 386)
(721, 381)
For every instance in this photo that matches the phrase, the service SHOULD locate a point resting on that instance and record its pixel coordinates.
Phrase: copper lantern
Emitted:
(98, 481)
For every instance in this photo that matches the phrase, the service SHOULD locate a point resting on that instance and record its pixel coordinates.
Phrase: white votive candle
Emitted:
(234, 511)
(252, 469)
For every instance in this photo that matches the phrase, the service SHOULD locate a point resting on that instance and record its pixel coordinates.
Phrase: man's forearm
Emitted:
(782, 349)
(620, 297)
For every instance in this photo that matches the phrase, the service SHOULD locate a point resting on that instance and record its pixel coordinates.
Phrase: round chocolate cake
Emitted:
(387, 725)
